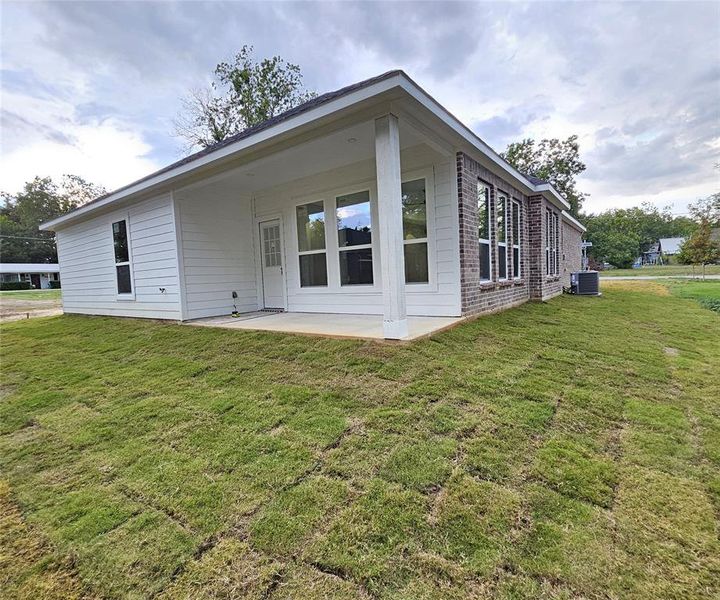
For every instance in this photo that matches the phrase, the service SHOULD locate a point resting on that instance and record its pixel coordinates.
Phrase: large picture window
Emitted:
(121, 246)
(354, 225)
(483, 199)
(311, 244)
(415, 237)
(502, 207)
(516, 237)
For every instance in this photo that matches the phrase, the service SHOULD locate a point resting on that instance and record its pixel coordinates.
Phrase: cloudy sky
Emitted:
(91, 88)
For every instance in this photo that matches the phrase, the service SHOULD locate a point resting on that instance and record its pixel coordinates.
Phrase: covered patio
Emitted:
(326, 324)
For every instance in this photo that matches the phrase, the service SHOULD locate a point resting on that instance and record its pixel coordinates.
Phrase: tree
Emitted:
(553, 160)
(701, 248)
(243, 94)
(40, 200)
(619, 236)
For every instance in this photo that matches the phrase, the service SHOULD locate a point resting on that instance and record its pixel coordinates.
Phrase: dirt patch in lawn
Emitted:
(12, 309)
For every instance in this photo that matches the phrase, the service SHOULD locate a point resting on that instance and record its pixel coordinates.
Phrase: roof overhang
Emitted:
(29, 268)
(393, 87)
(570, 219)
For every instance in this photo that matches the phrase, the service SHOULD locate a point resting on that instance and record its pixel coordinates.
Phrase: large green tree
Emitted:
(553, 160)
(244, 93)
(619, 236)
(40, 200)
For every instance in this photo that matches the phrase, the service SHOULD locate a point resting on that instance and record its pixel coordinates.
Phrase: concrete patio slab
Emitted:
(325, 324)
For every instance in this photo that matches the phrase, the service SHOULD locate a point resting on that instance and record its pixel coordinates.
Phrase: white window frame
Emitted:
(500, 244)
(426, 239)
(371, 245)
(325, 251)
(516, 208)
(556, 240)
(548, 255)
(490, 219)
(116, 219)
(552, 240)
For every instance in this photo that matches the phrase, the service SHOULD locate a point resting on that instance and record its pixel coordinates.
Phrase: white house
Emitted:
(372, 199)
(38, 275)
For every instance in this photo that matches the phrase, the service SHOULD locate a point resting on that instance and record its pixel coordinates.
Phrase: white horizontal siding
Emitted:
(217, 253)
(443, 299)
(87, 263)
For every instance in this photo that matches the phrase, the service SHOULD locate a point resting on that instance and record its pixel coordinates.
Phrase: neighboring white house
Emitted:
(39, 275)
(670, 246)
(372, 199)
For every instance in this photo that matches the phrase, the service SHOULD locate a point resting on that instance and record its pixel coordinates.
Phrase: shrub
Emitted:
(15, 285)
(54, 285)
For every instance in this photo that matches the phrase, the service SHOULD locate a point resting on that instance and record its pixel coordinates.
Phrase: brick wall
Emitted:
(533, 283)
(488, 296)
(571, 259)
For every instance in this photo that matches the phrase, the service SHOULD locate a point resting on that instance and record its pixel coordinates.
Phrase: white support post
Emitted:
(392, 258)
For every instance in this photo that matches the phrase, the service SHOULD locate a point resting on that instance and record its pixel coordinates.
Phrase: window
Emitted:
(354, 225)
(556, 223)
(122, 257)
(415, 240)
(311, 244)
(501, 236)
(551, 243)
(516, 237)
(483, 196)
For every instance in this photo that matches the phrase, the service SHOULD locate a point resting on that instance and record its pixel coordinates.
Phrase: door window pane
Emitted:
(311, 226)
(123, 279)
(414, 210)
(416, 263)
(356, 267)
(120, 241)
(271, 246)
(313, 270)
(353, 219)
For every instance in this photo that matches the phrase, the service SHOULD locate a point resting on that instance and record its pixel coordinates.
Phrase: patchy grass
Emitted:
(663, 270)
(707, 292)
(559, 450)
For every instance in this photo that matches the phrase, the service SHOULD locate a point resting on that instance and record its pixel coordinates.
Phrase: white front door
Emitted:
(272, 267)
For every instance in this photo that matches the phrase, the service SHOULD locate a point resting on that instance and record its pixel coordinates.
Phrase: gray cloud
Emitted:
(639, 82)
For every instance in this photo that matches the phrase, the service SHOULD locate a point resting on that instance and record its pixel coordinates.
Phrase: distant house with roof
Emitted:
(37, 275)
(662, 251)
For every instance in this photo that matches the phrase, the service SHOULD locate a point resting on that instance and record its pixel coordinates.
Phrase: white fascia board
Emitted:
(283, 127)
(551, 194)
(568, 217)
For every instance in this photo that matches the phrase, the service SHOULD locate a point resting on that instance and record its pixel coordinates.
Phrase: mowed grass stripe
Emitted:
(562, 449)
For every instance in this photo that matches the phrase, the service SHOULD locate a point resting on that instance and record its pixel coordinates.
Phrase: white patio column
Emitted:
(390, 233)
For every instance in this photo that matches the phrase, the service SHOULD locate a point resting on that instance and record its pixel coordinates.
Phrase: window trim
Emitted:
(328, 195)
(552, 242)
(308, 252)
(516, 205)
(116, 219)
(487, 241)
(371, 245)
(426, 239)
(498, 243)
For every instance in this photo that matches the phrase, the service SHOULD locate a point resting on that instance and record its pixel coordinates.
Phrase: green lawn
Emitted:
(706, 292)
(31, 294)
(568, 449)
(663, 270)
